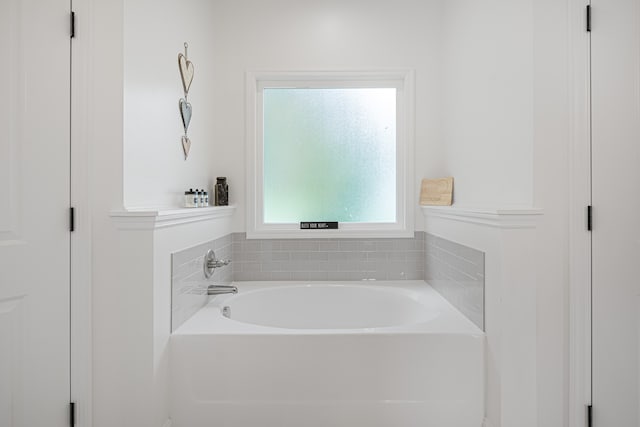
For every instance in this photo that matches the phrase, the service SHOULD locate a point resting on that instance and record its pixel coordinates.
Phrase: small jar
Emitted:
(190, 199)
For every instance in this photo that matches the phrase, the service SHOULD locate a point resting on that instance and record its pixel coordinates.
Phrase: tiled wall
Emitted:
(457, 273)
(188, 284)
(328, 259)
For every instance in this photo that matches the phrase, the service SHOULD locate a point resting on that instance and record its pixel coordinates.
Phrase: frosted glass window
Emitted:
(329, 155)
(329, 146)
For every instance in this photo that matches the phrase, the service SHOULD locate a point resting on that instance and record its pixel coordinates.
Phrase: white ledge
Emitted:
(154, 218)
(501, 218)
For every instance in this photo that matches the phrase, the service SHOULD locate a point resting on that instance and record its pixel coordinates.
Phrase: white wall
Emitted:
(155, 172)
(105, 122)
(552, 165)
(487, 107)
(327, 35)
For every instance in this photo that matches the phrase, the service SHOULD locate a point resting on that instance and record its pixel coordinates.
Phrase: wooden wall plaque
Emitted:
(436, 192)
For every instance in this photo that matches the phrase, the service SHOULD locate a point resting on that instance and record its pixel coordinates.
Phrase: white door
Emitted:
(34, 213)
(615, 53)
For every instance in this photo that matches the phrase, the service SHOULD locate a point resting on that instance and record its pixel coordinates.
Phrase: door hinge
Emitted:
(72, 413)
(72, 219)
(73, 24)
(589, 417)
(589, 18)
(589, 218)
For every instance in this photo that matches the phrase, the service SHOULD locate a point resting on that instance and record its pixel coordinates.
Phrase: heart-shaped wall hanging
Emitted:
(185, 113)
(186, 146)
(186, 72)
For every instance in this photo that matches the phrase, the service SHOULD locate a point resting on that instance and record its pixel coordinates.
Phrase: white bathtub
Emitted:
(370, 354)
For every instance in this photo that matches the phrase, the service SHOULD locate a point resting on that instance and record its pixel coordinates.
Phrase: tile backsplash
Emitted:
(328, 259)
(457, 273)
(454, 270)
(188, 284)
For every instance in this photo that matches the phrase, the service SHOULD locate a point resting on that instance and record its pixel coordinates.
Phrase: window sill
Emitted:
(329, 234)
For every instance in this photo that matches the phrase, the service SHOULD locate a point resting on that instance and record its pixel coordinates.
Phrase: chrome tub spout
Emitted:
(221, 289)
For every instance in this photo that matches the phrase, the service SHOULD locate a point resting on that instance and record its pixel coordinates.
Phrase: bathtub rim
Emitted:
(209, 320)
(411, 301)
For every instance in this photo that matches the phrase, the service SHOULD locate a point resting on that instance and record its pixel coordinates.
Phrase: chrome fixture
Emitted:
(226, 311)
(211, 263)
(221, 289)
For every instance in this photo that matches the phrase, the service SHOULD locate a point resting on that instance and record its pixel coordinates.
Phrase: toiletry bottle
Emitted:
(222, 191)
(202, 193)
(197, 198)
(206, 198)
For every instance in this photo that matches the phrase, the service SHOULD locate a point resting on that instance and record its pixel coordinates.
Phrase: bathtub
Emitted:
(339, 354)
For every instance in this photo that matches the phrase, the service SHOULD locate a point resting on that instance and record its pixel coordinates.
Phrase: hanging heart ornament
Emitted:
(186, 146)
(185, 113)
(186, 72)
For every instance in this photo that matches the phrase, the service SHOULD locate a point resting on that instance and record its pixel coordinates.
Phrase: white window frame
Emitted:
(402, 80)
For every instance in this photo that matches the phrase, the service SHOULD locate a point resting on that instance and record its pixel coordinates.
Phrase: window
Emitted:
(329, 147)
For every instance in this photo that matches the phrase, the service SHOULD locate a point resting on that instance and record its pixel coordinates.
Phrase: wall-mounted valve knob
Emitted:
(211, 263)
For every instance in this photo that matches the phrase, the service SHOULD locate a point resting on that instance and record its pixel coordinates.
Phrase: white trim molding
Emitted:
(501, 218)
(155, 218)
(81, 304)
(579, 359)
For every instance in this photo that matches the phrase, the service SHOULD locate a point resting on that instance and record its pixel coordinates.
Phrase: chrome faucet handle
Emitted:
(211, 263)
(218, 263)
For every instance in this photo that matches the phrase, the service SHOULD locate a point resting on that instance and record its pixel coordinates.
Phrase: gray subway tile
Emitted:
(299, 256)
(369, 246)
(317, 275)
(404, 244)
(280, 256)
(384, 245)
(349, 245)
(244, 276)
(280, 275)
(328, 245)
(238, 237)
(377, 256)
(251, 266)
(251, 246)
(356, 256)
(308, 245)
(299, 275)
(337, 256)
(318, 256)
(289, 245)
(269, 267)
